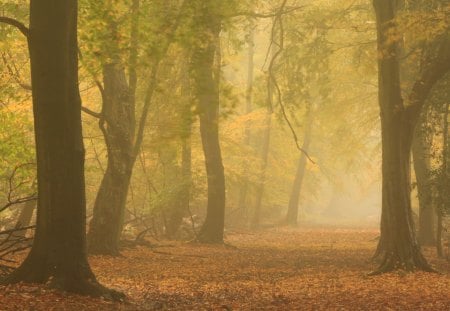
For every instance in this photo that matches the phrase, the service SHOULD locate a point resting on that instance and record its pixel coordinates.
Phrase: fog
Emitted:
(221, 155)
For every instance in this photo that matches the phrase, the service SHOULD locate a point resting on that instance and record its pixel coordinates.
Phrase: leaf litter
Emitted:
(274, 269)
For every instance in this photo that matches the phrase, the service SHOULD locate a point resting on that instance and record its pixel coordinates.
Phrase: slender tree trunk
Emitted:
(180, 207)
(439, 229)
(243, 189)
(421, 155)
(58, 254)
(265, 157)
(207, 93)
(292, 212)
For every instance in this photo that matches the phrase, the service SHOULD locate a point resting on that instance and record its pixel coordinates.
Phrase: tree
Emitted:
(206, 85)
(398, 244)
(292, 213)
(244, 188)
(117, 121)
(442, 173)
(58, 254)
(180, 208)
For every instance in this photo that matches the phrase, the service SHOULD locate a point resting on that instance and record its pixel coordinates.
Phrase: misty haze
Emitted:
(224, 155)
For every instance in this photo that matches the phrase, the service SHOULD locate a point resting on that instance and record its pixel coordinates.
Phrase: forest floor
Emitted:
(273, 269)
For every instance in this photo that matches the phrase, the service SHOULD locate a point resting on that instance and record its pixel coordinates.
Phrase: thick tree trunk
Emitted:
(117, 124)
(421, 155)
(398, 244)
(58, 254)
(292, 212)
(207, 93)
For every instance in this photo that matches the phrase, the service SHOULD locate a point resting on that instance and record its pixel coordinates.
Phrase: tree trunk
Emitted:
(119, 100)
(181, 202)
(264, 158)
(439, 229)
(421, 156)
(443, 201)
(117, 124)
(207, 93)
(292, 213)
(58, 254)
(398, 243)
(256, 221)
(243, 189)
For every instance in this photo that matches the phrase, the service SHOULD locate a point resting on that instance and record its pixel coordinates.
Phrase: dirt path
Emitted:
(278, 269)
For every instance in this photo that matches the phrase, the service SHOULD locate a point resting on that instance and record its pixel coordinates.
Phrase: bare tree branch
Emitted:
(15, 23)
(278, 23)
(88, 111)
(266, 15)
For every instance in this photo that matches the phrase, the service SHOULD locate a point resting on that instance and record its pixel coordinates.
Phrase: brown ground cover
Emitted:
(275, 269)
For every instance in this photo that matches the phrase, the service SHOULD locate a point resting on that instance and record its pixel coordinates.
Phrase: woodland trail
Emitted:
(276, 269)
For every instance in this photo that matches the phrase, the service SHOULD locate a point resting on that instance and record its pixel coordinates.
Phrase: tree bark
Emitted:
(292, 212)
(58, 254)
(117, 124)
(398, 243)
(207, 93)
(398, 240)
(123, 138)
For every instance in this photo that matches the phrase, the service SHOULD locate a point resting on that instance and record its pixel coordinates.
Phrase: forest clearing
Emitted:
(273, 269)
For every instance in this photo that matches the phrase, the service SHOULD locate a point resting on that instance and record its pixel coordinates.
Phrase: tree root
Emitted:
(393, 262)
(86, 287)
(78, 280)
